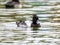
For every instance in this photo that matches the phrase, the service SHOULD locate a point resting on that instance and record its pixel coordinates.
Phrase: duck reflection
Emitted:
(35, 28)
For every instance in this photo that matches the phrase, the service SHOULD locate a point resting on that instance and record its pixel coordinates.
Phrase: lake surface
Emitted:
(47, 34)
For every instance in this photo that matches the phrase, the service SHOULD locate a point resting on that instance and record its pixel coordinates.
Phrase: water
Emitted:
(47, 34)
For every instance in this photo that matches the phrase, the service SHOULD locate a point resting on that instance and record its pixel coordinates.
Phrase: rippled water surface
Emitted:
(47, 34)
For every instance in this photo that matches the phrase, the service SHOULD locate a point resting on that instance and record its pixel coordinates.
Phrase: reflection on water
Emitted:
(35, 28)
(47, 34)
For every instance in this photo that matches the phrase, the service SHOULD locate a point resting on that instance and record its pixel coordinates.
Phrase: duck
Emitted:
(13, 4)
(21, 23)
(34, 21)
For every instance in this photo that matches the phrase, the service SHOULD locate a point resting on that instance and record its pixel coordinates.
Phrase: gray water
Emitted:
(47, 34)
